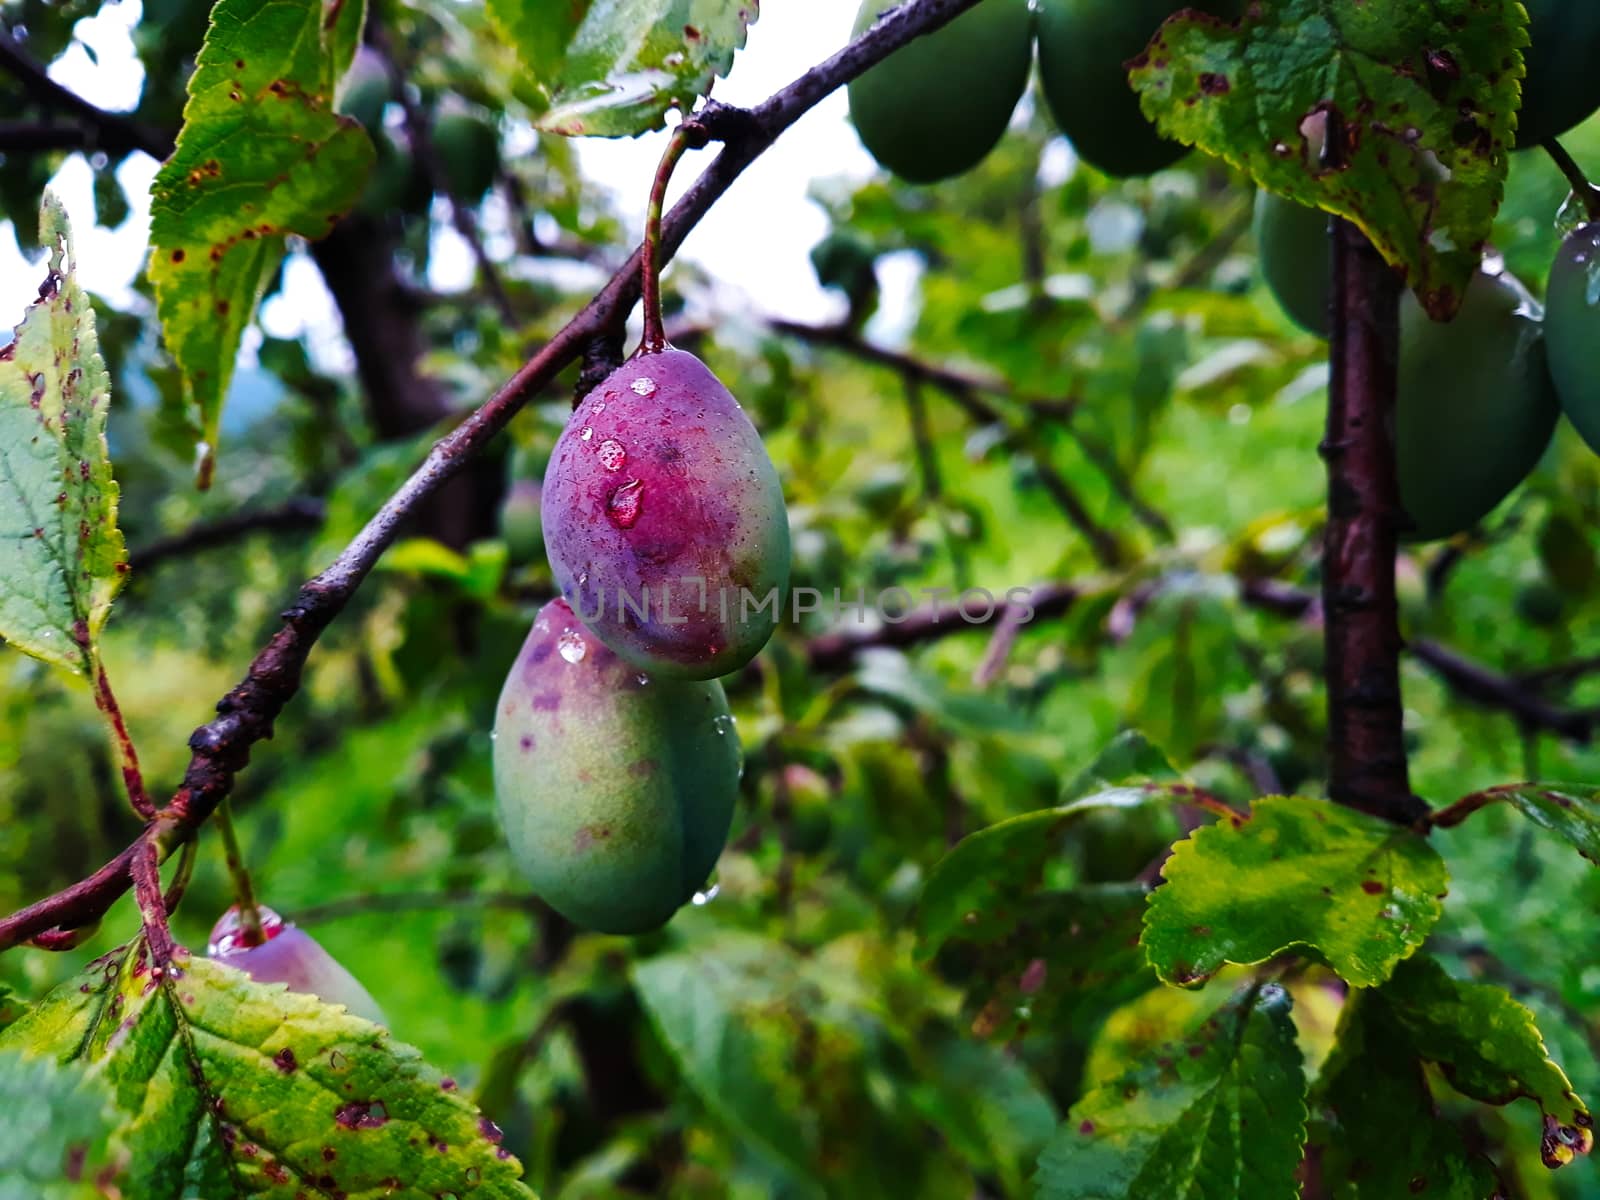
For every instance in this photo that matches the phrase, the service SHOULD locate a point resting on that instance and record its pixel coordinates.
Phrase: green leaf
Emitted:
(261, 155)
(61, 553)
(227, 1086)
(1379, 1132)
(777, 1050)
(1298, 873)
(55, 1125)
(615, 67)
(1218, 1116)
(1489, 1048)
(1571, 811)
(1130, 758)
(1427, 95)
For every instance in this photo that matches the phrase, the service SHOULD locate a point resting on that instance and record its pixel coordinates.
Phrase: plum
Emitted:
(615, 788)
(1572, 323)
(1475, 409)
(664, 520)
(291, 956)
(936, 107)
(1084, 48)
(1292, 242)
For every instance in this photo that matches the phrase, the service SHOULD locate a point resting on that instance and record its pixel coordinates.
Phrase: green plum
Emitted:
(1562, 87)
(616, 788)
(467, 146)
(1084, 48)
(1292, 245)
(1572, 327)
(935, 107)
(1475, 409)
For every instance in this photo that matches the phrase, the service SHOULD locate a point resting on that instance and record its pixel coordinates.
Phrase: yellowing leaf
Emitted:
(261, 155)
(61, 553)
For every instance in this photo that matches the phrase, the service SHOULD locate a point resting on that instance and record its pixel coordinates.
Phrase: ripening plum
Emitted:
(1084, 48)
(1292, 247)
(291, 956)
(937, 105)
(616, 788)
(1572, 328)
(1475, 408)
(664, 519)
(1561, 87)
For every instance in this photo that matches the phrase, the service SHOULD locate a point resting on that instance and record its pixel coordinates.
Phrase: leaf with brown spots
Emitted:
(1425, 95)
(227, 1088)
(1299, 874)
(1219, 1115)
(261, 155)
(61, 554)
(616, 67)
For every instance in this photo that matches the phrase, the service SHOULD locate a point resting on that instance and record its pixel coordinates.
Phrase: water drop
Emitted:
(599, 407)
(623, 507)
(701, 899)
(643, 679)
(644, 386)
(1572, 215)
(722, 724)
(572, 645)
(585, 434)
(612, 455)
(583, 578)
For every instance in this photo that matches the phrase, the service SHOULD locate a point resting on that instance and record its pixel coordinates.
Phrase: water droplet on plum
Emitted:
(623, 506)
(612, 455)
(572, 645)
(585, 433)
(701, 899)
(644, 386)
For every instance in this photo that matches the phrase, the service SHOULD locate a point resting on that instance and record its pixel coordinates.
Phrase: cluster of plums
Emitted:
(937, 106)
(1479, 397)
(616, 763)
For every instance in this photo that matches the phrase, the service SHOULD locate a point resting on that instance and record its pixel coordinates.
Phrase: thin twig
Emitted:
(300, 514)
(122, 741)
(221, 748)
(1511, 694)
(243, 892)
(352, 906)
(1581, 187)
(108, 131)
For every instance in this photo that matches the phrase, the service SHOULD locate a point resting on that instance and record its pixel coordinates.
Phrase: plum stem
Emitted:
(690, 134)
(146, 872)
(249, 912)
(1581, 187)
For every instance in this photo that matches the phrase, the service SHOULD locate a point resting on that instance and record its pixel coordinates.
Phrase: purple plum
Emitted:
(616, 788)
(289, 955)
(664, 520)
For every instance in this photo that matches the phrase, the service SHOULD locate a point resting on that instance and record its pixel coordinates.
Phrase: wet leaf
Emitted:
(228, 1087)
(1377, 1129)
(55, 1124)
(1217, 1116)
(1427, 95)
(1570, 811)
(261, 155)
(1489, 1048)
(1299, 873)
(61, 554)
(615, 67)
(1130, 758)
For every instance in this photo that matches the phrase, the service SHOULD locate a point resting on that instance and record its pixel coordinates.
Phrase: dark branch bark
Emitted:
(1481, 685)
(221, 748)
(108, 131)
(1366, 742)
(304, 513)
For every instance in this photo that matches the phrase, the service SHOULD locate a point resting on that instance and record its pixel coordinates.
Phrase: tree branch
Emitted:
(245, 716)
(1366, 738)
(1515, 696)
(306, 512)
(103, 130)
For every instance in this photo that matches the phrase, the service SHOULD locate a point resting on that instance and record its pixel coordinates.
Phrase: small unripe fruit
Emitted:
(1084, 48)
(616, 788)
(1572, 330)
(937, 105)
(1475, 409)
(664, 519)
(366, 90)
(290, 956)
(521, 520)
(1292, 247)
(1561, 87)
(467, 146)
